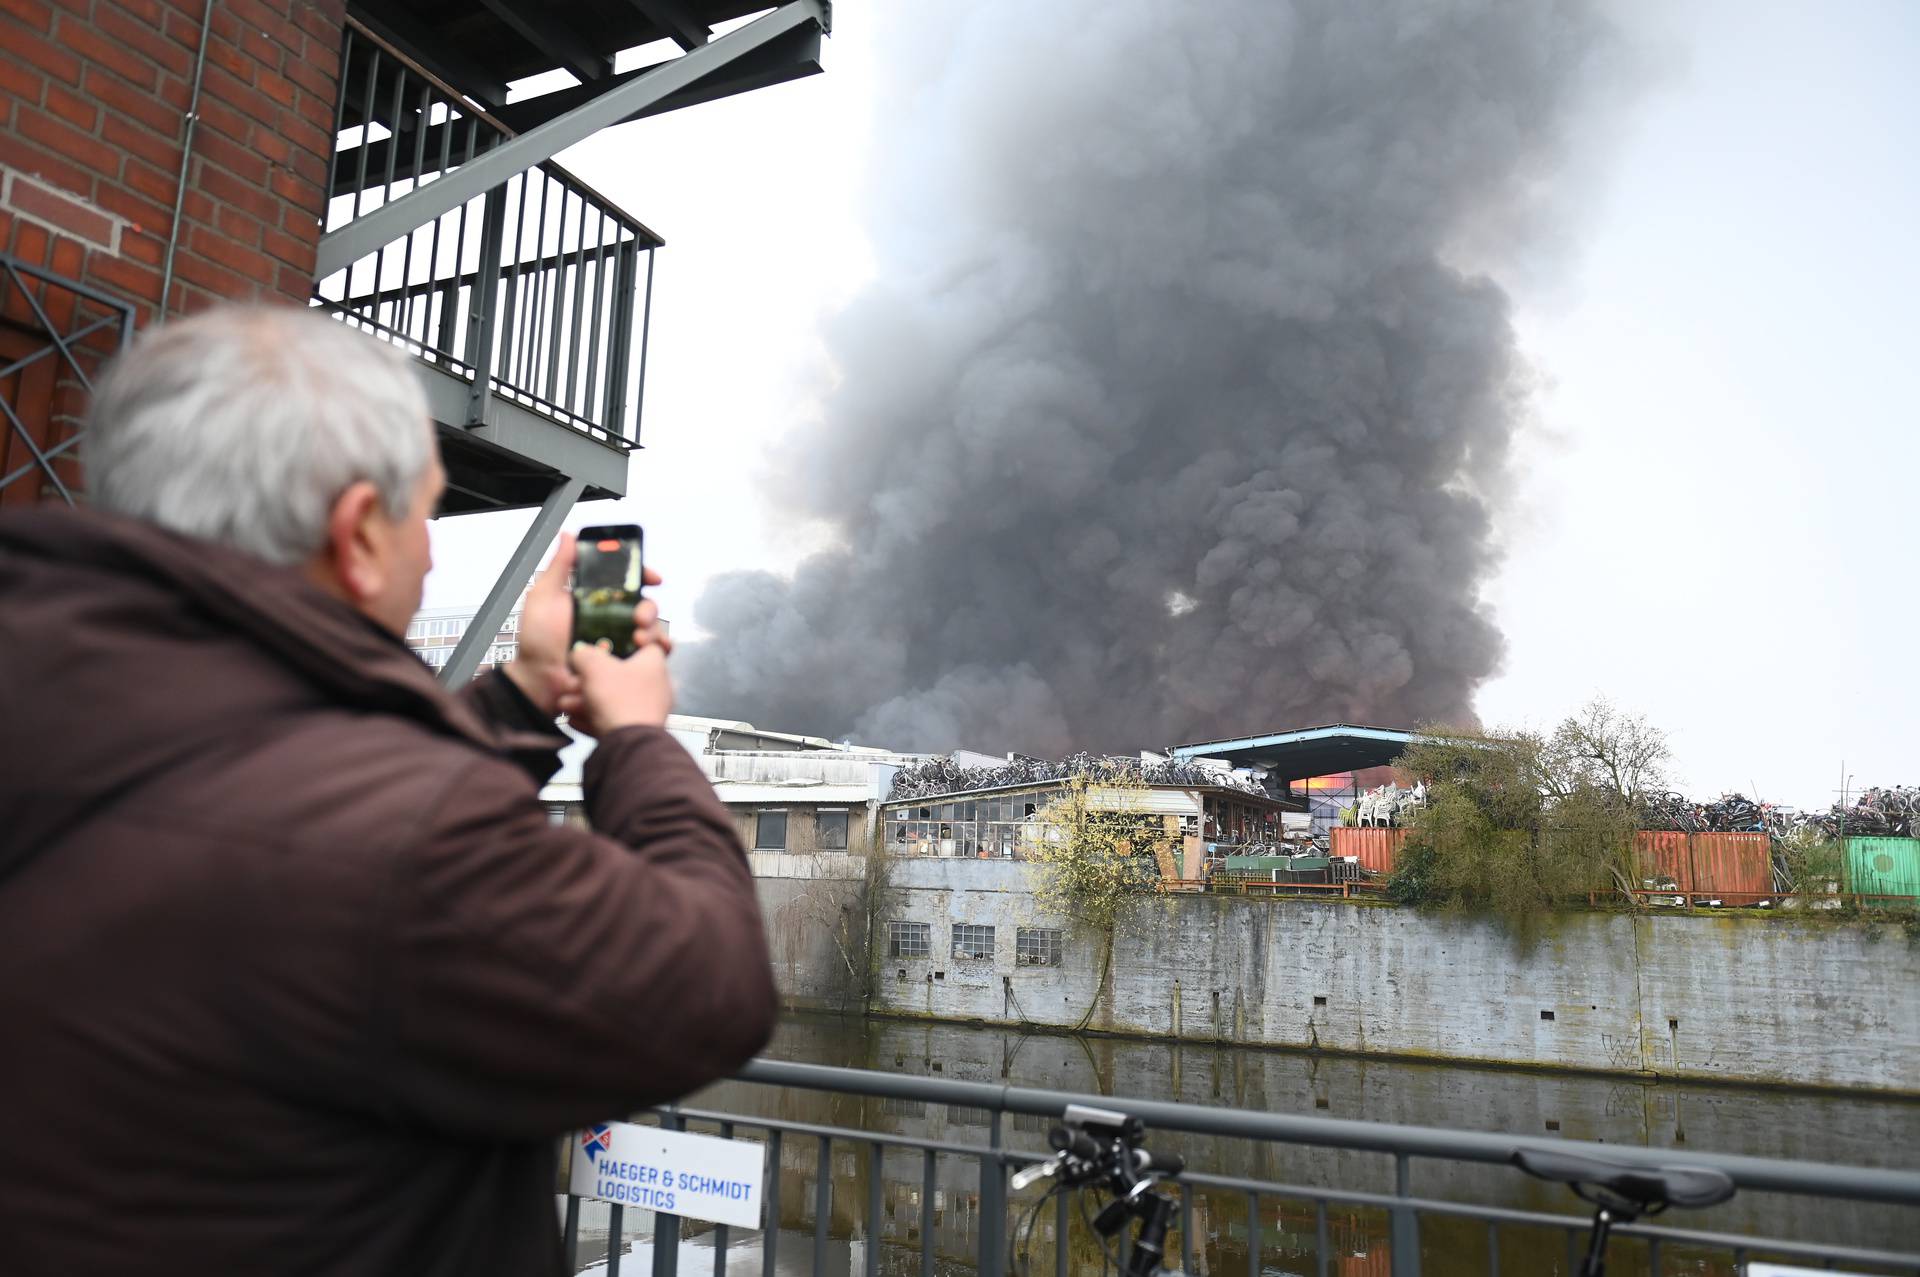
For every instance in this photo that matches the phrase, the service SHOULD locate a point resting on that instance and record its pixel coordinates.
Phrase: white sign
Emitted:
(697, 1176)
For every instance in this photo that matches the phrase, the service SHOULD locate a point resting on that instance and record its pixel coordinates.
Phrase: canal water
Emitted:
(1276, 1236)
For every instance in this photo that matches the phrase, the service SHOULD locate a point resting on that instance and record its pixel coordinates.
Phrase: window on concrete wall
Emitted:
(1037, 947)
(972, 942)
(831, 830)
(909, 939)
(770, 831)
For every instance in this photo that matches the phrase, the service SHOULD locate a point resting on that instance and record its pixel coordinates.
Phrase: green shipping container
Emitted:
(1261, 865)
(1883, 867)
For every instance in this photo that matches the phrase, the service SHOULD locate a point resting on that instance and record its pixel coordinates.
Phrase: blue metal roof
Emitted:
(1307, 751)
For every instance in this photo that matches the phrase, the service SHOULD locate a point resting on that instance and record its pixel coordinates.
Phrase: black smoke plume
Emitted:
(1182, 401)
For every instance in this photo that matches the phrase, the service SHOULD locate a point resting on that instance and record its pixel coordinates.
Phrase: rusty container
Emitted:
(1378, 850)
(1735, 869)
(1660, 856)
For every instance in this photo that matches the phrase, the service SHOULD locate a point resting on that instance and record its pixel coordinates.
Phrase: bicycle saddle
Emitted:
(1647, 1190)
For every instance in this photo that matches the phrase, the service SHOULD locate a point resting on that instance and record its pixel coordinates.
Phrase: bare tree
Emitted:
(1605, 748)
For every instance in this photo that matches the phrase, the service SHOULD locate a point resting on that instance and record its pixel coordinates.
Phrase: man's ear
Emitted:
(357, 543)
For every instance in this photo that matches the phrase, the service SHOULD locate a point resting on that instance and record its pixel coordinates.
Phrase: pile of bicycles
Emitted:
(934, 777)
(1893, 812)
(1730, 813)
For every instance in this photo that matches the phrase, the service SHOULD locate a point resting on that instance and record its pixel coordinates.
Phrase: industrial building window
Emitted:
(970, 941)
(832, 830)
(909, 939)
(1037, 947)
(770, 831)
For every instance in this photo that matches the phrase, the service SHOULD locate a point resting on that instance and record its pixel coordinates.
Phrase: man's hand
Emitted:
(540, 668)
(615, 693)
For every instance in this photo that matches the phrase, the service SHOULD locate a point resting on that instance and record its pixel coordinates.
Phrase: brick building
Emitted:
(94, 99)
(362, 156)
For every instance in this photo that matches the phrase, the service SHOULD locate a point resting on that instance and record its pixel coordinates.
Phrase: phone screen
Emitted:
(606, 586)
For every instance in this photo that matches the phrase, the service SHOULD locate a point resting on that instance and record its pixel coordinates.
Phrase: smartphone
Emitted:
(607, 569)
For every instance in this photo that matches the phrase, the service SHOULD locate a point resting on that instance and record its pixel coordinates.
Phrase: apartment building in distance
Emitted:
(434, 634)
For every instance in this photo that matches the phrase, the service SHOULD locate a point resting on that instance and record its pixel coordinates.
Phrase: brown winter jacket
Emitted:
(295, 975)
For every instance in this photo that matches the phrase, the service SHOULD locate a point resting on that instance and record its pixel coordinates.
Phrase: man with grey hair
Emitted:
(298, 976)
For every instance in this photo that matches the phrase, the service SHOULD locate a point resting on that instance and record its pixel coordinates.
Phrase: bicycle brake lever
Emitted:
(1037, 1172)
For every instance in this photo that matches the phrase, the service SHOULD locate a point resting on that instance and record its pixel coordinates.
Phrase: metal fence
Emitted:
(540, 290)
(1272, 1221)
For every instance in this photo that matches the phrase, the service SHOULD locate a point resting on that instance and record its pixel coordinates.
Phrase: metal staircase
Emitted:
(525, 295)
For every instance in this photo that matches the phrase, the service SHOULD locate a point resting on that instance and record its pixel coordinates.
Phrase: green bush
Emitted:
(1518, 823)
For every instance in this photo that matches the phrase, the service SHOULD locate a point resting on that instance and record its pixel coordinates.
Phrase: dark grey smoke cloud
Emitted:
(1183, 399)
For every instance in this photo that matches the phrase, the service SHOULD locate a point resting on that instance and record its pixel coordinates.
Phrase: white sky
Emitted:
(1717, 513)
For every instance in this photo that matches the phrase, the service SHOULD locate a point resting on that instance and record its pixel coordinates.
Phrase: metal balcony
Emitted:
(531, 300)
(451, 231)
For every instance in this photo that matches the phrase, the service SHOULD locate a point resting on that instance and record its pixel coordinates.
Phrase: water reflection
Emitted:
(1283, 1233)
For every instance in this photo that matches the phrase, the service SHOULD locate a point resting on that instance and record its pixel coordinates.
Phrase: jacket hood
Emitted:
(126, 649)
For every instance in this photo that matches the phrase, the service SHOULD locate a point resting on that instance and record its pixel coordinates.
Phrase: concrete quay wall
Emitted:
(1736, 998)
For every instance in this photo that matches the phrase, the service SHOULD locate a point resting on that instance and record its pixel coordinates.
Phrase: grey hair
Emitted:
(244, 424)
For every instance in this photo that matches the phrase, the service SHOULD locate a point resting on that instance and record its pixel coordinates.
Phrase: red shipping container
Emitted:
(1735, 869)
(1377, 849)
(1660, 855)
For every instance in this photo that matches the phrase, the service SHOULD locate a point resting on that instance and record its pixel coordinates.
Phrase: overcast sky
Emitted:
(1717, 515)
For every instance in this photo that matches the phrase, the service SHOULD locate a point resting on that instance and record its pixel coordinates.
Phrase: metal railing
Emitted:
(539, 291)
(1262, 1218)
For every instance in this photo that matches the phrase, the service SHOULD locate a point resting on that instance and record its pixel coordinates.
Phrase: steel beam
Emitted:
(552, 38)
(400, 30)
(485, 627)
(672, 17)
(793, 58)
(367, 234)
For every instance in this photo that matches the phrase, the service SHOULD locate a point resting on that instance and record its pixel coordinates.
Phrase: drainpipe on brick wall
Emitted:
(186, 158)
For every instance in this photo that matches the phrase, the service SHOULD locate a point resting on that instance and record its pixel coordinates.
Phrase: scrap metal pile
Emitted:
(1730, 813)
(1877, 812)
(1891, 812)
(1390, 805)
(936, 776)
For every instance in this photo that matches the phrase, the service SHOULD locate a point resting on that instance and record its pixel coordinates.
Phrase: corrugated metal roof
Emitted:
(736, 793)
(1307, 751)
(962, 795)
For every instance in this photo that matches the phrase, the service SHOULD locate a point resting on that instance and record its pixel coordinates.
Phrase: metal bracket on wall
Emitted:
(68, 338)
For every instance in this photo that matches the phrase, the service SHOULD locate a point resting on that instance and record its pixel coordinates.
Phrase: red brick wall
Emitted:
(93, 100)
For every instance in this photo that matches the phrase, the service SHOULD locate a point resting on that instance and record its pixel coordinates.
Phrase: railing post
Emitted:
(928, 1187)
(822, 1203)
(570, 1234)
(993, 1204)
(483, 317)
(620, 335)
(770, 1227)
(720, 1230)
(618, 425)
(876, 1158)
(666, 1228)
(1405, 1224)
